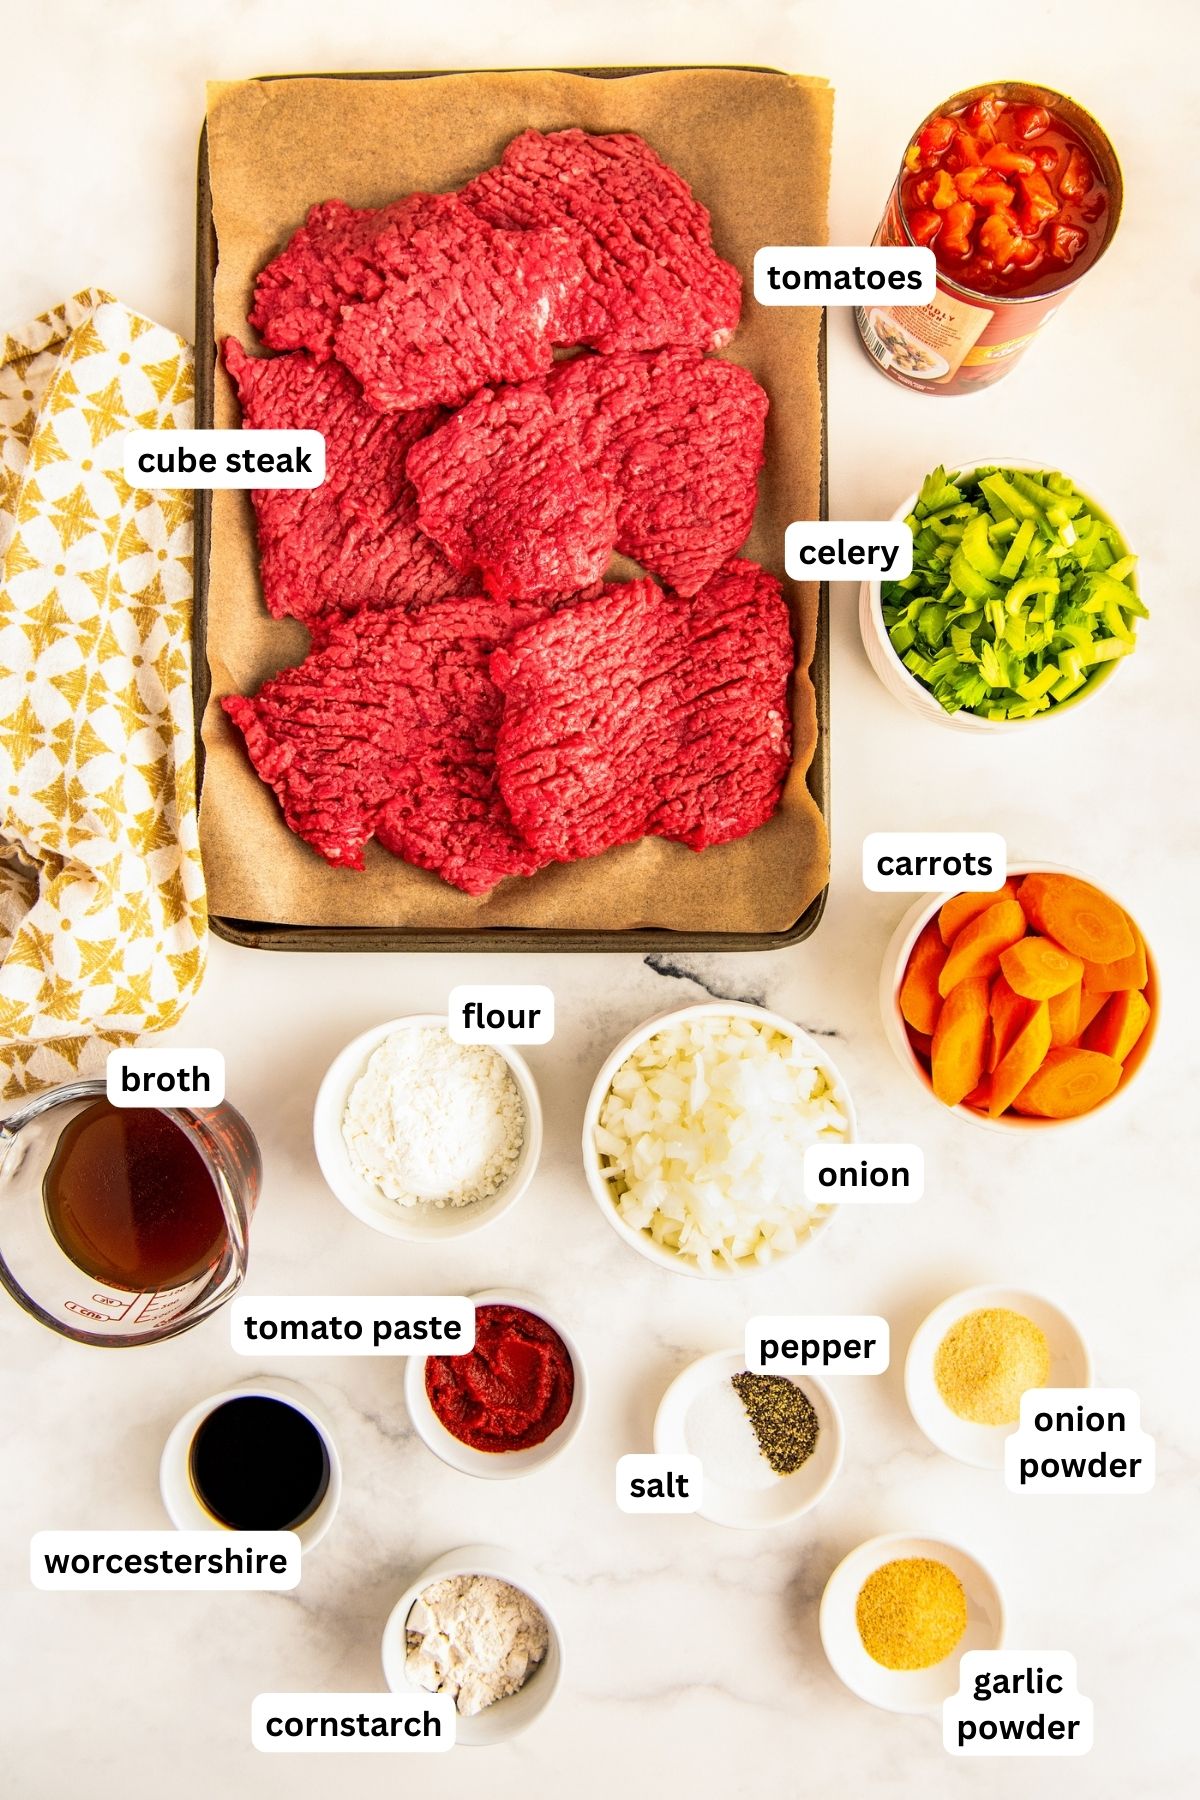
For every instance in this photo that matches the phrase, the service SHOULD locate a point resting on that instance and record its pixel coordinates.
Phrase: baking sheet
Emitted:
(755, 148)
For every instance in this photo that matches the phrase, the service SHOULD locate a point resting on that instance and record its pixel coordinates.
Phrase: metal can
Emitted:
(964, 340)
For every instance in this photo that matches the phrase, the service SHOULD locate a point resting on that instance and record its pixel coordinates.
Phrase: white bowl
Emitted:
(593, 1167)
(496, 1465)
(511, 1715)
(905, 1690)
(789, 1495)
(983, 1445)
(174, 1473)
(903, 685)
(891, 979)
(426, 1222)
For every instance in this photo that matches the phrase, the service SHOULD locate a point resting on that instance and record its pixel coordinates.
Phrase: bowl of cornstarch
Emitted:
(477, 1625)
(423, 1138)
(770, 1446)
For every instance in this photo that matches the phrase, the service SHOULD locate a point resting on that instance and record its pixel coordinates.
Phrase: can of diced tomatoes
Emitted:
(988, 307)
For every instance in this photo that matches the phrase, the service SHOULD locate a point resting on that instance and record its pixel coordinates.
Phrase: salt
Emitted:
(717, 1430)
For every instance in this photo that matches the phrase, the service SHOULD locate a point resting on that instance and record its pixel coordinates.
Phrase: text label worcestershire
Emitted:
(842, 275)
(224, 459)
(351, 1324)
(166, 1560)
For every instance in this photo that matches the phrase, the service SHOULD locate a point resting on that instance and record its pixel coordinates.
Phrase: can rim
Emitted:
(1096, 140)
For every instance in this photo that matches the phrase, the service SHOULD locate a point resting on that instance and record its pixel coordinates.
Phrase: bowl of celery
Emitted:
(1022, 600)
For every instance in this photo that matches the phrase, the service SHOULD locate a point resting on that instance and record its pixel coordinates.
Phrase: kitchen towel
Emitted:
(102, 909)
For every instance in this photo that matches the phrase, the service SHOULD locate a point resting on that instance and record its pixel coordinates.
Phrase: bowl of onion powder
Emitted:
(423, 1138)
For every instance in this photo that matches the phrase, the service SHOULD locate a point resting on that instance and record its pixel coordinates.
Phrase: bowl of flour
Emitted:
(423, 1138)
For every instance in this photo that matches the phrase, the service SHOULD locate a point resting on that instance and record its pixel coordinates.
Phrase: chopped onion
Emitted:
(702, 1135)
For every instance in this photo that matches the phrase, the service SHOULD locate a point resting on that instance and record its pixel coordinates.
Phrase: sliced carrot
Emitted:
(976, 949)
(1018, 1067)
(1068, 1083)
(1124, 972)
(964, 907)
(1090, 1003)
(1117, 1028)
(1077, 916)
(979, 1097)
(1010, 1015)
(960, 1040)
(1064, 1015)
(920, 1001)
(921, 1042)
(1038, 969)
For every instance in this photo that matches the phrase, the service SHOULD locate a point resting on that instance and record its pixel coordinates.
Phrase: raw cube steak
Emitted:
(680, 438)
(422, 300)
(532, 487)
(389, 730)
(652, 275)
(503, 489)
(354, 541)
(641, 712)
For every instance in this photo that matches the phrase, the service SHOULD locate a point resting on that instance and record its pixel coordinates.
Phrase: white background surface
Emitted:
(694, 1663)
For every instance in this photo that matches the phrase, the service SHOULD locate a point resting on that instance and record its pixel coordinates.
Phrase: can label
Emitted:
(952, 345)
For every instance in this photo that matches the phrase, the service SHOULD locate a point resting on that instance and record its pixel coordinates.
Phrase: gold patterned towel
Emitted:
(102, 911)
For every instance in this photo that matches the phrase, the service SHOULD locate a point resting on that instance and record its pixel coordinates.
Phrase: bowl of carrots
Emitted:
(1030, 1005)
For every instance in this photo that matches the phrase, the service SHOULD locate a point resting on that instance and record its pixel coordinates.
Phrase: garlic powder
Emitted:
(435, 1121)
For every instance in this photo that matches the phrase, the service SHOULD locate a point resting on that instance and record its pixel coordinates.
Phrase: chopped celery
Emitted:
(1107, 650)
(1040, 684)
(1018, 550)
(977, 549)
(1019, 590)
(932, 622)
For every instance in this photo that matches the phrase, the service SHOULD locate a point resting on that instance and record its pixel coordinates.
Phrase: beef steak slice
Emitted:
(354, 541)
(680, 438)
(652, 275)
(504, 490)
(531, 487)
(423, 300)
(644, 713)
(389, 729)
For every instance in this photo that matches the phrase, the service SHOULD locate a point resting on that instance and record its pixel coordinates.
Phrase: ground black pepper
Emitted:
(783, 1417)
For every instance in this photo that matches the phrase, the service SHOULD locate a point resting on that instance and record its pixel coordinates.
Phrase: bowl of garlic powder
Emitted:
(423, 1138)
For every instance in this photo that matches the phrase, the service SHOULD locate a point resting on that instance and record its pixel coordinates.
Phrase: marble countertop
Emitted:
(694, 1662)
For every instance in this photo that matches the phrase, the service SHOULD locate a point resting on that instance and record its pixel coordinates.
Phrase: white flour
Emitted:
(432, 1120)
(474, 1638)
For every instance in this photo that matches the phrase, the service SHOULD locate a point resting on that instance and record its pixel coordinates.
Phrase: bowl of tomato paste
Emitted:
(512, 1403)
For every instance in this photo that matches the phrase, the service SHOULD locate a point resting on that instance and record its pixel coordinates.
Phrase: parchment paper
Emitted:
(755, 149)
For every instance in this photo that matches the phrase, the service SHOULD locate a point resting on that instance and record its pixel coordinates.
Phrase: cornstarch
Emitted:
(474, 1638)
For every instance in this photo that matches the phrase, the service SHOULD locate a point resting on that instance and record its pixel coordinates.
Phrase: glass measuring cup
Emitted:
(47, 1283)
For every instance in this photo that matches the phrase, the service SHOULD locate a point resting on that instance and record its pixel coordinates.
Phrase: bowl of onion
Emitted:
(695, 1133)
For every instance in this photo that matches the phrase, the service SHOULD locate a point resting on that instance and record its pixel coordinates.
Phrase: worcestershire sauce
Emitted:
(130, 1199)
(258, 1464)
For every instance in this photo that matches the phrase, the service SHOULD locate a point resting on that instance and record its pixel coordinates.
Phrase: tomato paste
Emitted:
(512, 1390)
